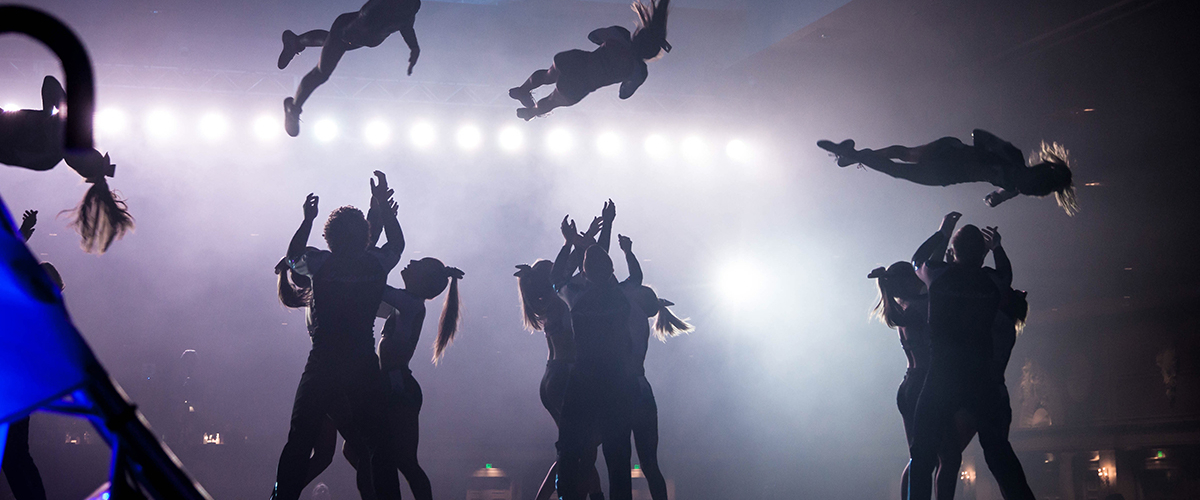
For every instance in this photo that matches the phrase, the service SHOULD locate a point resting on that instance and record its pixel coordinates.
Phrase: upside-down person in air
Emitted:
(33, 139)
(368, 27)
(620, 58)
(342, 378)
(543, 310)
(964, 300)
(990, 159)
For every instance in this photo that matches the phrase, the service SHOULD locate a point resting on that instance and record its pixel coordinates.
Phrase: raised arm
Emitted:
(381, 195)
(635, 268)
(560, 272)
(991, 236)
(608, 214)
(300, 240)
(934, 248)
(28, 221)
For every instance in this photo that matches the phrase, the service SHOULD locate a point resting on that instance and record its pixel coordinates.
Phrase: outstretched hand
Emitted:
(609, 212)
(380, 192)
(568, 229)
(991, 237)
(413, 54)
(310, 207)
(625, 243)
(948, 223)
(28, 220)
(594, 228)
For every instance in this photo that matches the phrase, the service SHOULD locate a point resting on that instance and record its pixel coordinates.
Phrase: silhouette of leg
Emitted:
(545, 105)
(294, 44)
(406, 430)
(537, 79)
(930, 420)
(323, 451)
(22, 474)
(331, 53)
(1002, 461)
(645, 438)
(308, 415)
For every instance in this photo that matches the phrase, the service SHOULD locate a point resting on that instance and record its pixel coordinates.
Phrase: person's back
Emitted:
(613, 63)
(963, 302)
(347, 290)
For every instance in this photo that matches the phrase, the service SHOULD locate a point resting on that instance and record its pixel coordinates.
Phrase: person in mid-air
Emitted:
(368, 27)
(990, 159)
(620, 58)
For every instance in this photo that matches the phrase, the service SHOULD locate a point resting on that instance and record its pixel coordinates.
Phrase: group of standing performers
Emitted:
(372, 400)
(958, 323)
(597, 330)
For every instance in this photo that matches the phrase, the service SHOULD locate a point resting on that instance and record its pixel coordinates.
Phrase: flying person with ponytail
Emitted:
(645, 304)
(33, 139)
(620, 58)
(948, 161)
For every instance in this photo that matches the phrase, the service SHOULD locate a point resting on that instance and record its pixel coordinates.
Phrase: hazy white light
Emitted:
(738, 150)
(377, 132)
(111, 121)
(213, 126)
(740, 282)
(11, 106)
(694, 149)
(161, 124)
(559, 141)
(267, 127)
(511, 139)
(610, 144)
(422, 135)
(325, 130)
(657, 147)
(469, 137)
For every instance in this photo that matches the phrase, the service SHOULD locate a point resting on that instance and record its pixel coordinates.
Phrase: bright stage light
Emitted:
(267, 127)
(10, 106)
(422, 135)
(511, 139)
(740, 282)
(468, 137)
(738, 150)
(161, 124)
(377, 132)
(111, 121)
(213, 126)
(325, 130)
(657, 147)
(559, 141)
(610, 144)
(694, 149)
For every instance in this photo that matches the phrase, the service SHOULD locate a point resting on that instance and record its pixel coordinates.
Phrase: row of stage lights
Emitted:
(214, 127)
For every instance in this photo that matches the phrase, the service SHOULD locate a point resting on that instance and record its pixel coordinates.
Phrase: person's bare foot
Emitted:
(844, 151)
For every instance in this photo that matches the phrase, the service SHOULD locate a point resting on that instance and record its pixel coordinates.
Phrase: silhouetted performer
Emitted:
(964, 299)
(348, 282)
(904, 305)
(369, 27)
(990, 159)
(33, 139)
(602, 387)
(621, 58)
(543, 310)
(645, 304)
(22, 473)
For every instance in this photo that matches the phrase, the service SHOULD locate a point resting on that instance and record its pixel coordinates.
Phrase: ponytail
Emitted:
(291, 296)
(101, 217)
(668, 324)
(448, 323)
(882, 309)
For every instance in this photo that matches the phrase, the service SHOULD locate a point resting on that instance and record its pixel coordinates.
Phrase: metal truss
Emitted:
(279, 84)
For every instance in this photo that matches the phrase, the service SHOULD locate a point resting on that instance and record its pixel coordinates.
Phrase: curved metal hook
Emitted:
(77, 66)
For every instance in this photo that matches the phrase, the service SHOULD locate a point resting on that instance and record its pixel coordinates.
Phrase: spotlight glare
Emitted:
(738, 150)
(469, 137)
(111, 121)
(267, 127)
(610, 144)
(10, 106)
(657, 147)
(422, 135)
(325, 130)
(161, 124)
(694, 149)
(511, 139)
(559, 141)
(740, 282)
(213, 126)
(377, 132)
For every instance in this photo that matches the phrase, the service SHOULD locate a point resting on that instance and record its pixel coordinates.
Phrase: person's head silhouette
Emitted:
(346, 230)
